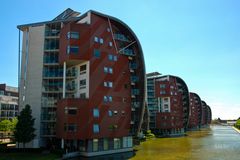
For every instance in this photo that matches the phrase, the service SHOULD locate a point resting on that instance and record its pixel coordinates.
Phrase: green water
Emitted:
(216, 143)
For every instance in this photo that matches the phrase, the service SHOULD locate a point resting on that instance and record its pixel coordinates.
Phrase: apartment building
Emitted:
(84, 77)
(195, 114)
(8, 102)
(168, 104)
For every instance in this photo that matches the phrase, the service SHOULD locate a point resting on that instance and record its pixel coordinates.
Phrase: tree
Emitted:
(24, 131)
(5, 126)
(13, 124)
(238, 123)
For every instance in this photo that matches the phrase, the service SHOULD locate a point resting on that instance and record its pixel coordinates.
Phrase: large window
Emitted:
(83, 95)
(82, 84)
(96, 128)
(117, 143)
(107, 98)
(72, 49)
(162, 85)
(96, 53)
(71, 110)
(70, 127)
(112, 57)
(95, 145)
(83, 69)
(96, 112)
(108, 84)
(73, 35)
(105, 144)
(108, 70)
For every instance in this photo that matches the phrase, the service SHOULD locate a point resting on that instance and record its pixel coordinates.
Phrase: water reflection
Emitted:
(216, 143)
(119, 156)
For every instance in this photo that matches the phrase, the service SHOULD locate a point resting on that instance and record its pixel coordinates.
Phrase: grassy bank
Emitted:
(28, 156)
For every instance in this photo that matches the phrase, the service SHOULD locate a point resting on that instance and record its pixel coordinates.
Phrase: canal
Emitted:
(216, 143)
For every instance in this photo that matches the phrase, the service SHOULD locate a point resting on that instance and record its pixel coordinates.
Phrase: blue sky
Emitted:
(198, 40)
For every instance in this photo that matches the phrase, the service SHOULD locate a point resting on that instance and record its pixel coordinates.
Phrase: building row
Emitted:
(84, 78)
(172, 108)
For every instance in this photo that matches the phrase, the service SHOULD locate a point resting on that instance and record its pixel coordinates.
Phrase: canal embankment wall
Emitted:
(236, 129)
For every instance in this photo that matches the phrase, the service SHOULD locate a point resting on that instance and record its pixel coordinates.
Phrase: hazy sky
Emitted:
(198, 40)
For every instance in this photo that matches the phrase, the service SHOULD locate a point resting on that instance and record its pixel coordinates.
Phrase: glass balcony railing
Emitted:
(133, 65)
(134, 79)
(121, 37)
(127, 52)
(71, 73)
(71, 87)
(135, 91)
(52, 33)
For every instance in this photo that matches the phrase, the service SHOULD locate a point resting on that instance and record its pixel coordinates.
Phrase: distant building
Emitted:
(195, 114)
(8, 102)
(206, 115)
(84, 77)
(168, 104)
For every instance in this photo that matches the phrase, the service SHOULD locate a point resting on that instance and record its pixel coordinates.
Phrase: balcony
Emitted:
(52, 33)
(121, 37)
(135, 104)
(127, 52)
(135, 92)
(71, 87)
(133, 65)
(71, 74)
(134, 79)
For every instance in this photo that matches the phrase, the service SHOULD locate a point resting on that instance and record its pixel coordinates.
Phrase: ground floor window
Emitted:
(105, 144)
(95, 145)
(117, 143)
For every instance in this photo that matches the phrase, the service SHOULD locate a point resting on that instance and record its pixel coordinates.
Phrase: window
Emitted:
(123, 113)
(83, 95)
(110, 44)
(97, 53)
(73, 35)
(70, 110)
(95, 128)
(105, 69)
(83, 69)
(107, 99)
(110, 113)
(115, 58)
(72, 49)
(1, 92)
(162, 92)
(105, 144)
(117, 143)
(95, 145)
(162, 85)
(96, 39)
(96, 112)
(108, 29)
(82, 84)
(115, 112)
(101, 41)
(108, 70)
(110, 57)
(70, 127)
(108, 84)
